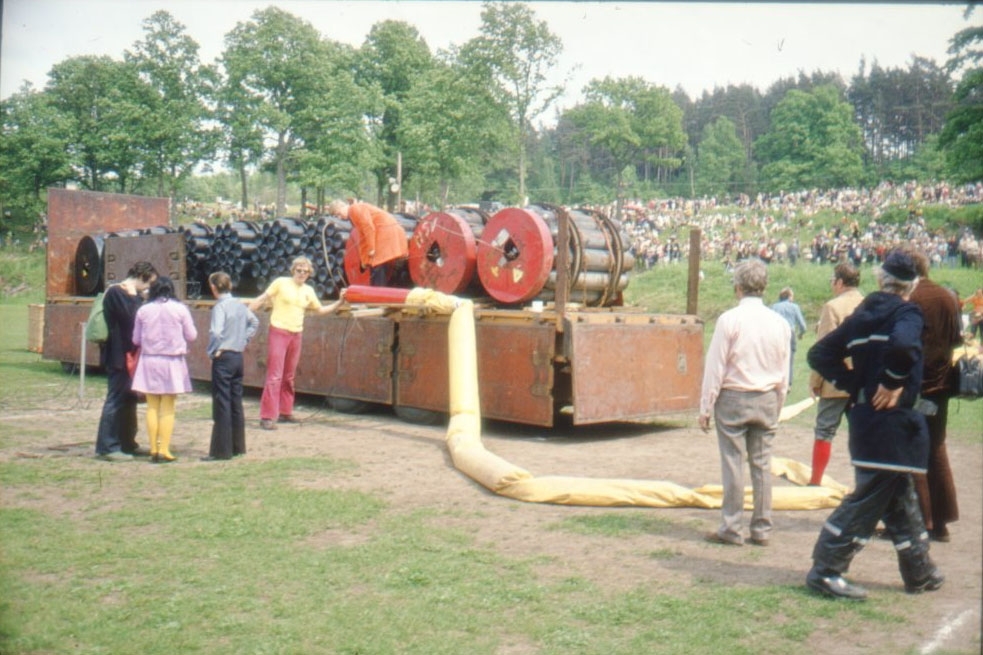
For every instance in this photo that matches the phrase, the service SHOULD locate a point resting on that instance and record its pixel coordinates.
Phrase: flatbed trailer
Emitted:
(595, 365)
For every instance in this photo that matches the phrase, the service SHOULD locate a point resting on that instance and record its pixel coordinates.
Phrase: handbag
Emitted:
(96, 329)
(132, 357)
(967, 380)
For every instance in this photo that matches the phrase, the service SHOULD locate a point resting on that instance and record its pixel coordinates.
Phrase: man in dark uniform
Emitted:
(888, 435)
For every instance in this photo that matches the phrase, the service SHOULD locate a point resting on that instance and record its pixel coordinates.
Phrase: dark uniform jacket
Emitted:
(883, 339)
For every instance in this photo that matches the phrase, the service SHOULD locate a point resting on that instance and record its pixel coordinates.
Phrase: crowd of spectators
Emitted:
(780, 227)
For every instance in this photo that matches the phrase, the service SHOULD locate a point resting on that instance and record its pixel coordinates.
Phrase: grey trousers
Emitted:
(829, 415)
(745, 420)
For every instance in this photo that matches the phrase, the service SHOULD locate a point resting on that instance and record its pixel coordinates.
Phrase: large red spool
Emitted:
(515, 255)
(443, 251)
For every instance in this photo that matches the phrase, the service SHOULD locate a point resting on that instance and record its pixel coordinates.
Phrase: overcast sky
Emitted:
(694, 45)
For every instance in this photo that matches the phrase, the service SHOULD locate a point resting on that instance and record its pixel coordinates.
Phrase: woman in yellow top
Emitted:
(291, 298)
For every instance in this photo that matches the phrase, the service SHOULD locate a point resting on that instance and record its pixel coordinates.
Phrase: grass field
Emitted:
(234, 560)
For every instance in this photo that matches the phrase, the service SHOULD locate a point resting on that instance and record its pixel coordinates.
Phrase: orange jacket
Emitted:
(378, 231)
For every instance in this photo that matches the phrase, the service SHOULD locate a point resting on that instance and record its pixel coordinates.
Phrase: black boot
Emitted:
(830, 583)
(919, 572)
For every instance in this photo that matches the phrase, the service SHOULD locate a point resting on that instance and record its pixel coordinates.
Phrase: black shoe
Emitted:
(834, 586)
(209, 458)
(931, 583)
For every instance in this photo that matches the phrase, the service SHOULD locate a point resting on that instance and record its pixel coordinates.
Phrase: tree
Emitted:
(962, 134)
(813, 143)
(177, 137)
(34, 151)
(897, 109)
(392, 57)
(451, 129)
(631, 124)
(338, 147)
(721, 159)
(517, 53)
(106, 104)
(275, 72)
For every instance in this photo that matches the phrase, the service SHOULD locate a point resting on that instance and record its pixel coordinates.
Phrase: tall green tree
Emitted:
(392, 57)
(631, 124)
(721, 159)
(518, 53)
(962, 135)
(178, 137)
(274, 73)
(34, 152)
(106, 104)
(452, 130)
(339, 144)
(812, 143)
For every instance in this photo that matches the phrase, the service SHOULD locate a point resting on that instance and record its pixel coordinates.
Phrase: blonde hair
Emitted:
(338, 208)
(301, 260)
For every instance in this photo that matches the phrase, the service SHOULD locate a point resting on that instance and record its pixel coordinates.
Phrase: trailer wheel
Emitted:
(419, 416)
(348, 405)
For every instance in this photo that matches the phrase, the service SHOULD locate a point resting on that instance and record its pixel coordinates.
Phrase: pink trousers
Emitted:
(282, 356)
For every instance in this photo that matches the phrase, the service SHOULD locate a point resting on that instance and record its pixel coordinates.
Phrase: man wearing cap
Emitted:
(888, 436)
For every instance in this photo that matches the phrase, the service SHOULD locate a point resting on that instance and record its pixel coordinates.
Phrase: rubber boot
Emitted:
(153, 425)
(919, 572)
(820, 458)
(166, 428)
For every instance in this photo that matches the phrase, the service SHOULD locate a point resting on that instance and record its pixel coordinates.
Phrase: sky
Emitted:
(695, 45)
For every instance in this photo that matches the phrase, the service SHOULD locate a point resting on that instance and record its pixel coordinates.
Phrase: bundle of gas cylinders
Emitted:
(508, 258)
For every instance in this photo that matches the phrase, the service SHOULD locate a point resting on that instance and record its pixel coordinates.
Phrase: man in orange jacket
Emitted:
(382, 240)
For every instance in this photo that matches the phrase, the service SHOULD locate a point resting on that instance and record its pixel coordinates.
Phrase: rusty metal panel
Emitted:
(347, 357)
(75, 214)
(515, 368)
(635, 367)
(164, 251)
(63, 323)
(515, 371)
(421, 363)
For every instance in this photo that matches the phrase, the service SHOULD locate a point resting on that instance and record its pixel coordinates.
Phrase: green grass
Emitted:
(249, 560)
(279, 557)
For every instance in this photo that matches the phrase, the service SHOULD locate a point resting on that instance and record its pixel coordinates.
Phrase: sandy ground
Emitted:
(410, 467)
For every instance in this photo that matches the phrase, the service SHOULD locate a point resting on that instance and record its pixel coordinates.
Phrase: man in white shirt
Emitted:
(745, 381)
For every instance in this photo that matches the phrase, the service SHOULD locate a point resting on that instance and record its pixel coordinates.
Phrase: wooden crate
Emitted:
(35, 328)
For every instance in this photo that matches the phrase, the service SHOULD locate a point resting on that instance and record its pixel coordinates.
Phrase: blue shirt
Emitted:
(791, 313)
(233, 325)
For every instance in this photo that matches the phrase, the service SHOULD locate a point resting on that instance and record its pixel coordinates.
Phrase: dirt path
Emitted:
(410, 467)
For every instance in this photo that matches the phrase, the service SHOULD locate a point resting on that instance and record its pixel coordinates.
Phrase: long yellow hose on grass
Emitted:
(491, 471)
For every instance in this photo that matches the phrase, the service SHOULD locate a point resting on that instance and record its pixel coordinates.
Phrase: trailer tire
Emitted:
(419, 416)
(348, 405)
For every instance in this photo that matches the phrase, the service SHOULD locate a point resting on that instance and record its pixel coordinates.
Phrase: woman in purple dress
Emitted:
(162, 331)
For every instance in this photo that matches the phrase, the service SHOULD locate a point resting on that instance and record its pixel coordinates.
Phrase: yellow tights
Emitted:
(160, 424)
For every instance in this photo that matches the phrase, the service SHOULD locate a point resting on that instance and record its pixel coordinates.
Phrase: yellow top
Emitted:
(290, 301)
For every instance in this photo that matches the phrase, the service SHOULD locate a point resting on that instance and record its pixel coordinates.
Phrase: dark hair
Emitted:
(143, 271)
(785, 293)
(847, 273)
(161, 289)
(221, 281)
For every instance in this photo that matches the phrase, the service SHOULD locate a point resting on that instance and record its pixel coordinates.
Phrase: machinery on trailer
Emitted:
(551, 338)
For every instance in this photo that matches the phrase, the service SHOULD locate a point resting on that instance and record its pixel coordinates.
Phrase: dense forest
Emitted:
(285, 114)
